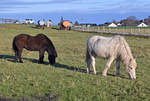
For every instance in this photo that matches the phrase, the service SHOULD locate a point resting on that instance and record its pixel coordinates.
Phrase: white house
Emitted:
(142, 25)
(119, 24)
(112, 25)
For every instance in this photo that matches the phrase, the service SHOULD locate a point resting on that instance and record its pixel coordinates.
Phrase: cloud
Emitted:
(122, 6)
(7, 5)
(93, 6)
(10, 2)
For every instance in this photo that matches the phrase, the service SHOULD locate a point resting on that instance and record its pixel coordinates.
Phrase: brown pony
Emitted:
(39, 43)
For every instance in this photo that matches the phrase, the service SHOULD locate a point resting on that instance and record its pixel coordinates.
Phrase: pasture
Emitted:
(67, 80)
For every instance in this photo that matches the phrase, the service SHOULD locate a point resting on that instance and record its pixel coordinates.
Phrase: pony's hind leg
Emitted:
(93, 64)
(19, 55)
(88, 65)
(118, 67)
(110, 60)
(16, 56)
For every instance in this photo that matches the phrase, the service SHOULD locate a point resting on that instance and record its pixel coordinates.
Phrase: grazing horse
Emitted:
(112, 48)
(39, 43)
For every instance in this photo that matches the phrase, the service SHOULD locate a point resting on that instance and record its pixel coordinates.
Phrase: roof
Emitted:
(112, 25)
(142, 25)
(66, 23)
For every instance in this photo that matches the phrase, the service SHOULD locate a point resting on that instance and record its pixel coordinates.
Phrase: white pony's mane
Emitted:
(127, 55)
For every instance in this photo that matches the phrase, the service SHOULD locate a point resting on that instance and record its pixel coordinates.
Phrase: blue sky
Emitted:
(92, 11)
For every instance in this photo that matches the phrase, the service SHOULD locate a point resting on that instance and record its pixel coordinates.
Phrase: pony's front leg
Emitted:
(41, 56)
(110, 60)
(93, 64)
(118, 67)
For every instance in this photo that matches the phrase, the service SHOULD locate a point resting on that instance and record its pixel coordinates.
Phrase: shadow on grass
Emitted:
(12, 58)
(56, 28)
(57, 65)
(35, 27)
(117, 76)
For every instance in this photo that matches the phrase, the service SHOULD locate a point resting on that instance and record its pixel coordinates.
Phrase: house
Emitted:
(119, 24)
(65, 25)
(142, 25)
(88, 24)
(17, 22)
(112, 25)
(28, 21)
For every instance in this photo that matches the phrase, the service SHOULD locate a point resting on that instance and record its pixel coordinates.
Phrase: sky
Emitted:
(84, 11)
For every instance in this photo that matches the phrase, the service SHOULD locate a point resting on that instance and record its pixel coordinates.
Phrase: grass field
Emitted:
(67, 79)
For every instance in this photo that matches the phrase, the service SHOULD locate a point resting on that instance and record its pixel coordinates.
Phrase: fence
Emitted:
(130, 31)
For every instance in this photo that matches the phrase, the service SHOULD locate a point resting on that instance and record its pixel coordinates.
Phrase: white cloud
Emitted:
(93, 6)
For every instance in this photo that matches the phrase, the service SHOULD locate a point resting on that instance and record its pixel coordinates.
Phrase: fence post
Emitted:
(139, 29)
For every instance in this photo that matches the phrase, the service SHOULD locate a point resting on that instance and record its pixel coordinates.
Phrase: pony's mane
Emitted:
(50, 44)
(127, 49)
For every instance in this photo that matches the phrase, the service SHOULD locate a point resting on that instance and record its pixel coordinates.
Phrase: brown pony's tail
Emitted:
(14, 45)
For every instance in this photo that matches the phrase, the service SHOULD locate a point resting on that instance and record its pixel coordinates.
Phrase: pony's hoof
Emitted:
(20, 61)
(117, 74)
(104, 74)
(40, 62)
(52, 64)
(95, 73)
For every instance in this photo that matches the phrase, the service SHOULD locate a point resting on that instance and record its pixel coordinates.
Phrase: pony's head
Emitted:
(52, 59)
(131, 69)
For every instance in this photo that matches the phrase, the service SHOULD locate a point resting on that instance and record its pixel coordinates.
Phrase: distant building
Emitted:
(88, 24)
(65, 25)
(142, 25)
(28, 21)
(17, 22)
(118, 24)
(112, 25)
(49, 23)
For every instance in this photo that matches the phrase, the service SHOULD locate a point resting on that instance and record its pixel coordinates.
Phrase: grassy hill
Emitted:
(67, 79)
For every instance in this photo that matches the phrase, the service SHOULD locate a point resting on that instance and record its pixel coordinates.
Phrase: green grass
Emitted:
(67, 80)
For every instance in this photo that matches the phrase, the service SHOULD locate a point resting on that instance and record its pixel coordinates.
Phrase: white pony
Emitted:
(112, 48)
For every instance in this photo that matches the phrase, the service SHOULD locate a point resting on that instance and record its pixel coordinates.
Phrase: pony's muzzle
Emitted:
(131, 77)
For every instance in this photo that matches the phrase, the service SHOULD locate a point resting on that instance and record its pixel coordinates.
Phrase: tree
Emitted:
(115, 22)
(61, 20)
(147, 20)
(76, 23)
(131, 18)
(130, 21)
